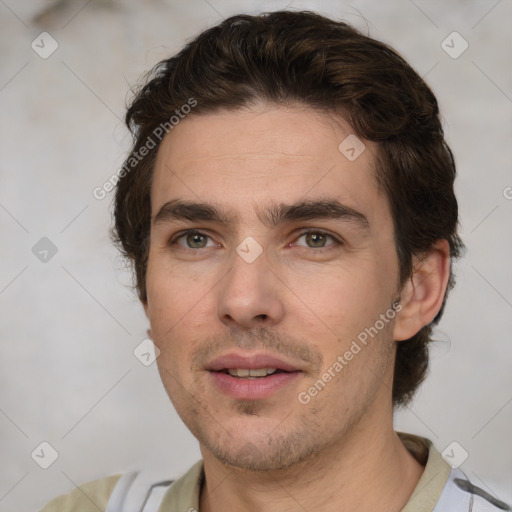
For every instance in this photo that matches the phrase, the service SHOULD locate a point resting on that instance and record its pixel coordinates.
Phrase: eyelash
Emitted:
(337, 241)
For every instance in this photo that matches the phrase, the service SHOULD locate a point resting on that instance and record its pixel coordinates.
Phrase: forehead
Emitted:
(265, 154)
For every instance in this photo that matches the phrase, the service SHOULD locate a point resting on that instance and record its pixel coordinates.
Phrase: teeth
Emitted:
(255, 372)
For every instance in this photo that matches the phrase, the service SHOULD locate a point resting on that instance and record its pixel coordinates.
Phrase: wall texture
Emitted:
(70, 323)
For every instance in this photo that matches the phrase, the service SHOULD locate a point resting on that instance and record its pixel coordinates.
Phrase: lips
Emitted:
(235, 361)
(242, 376)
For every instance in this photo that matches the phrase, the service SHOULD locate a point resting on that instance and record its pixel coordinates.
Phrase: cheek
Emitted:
(179, 311)
(171, 294)
(340, 301)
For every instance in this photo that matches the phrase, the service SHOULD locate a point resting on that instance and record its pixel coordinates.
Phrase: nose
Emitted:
(250, 295)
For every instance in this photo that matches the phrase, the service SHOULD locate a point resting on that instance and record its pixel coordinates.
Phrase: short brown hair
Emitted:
(288, 58)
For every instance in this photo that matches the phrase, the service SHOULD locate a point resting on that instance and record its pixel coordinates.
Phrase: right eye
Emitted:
(192, 240)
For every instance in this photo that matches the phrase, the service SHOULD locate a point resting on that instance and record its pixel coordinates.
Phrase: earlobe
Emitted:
(423, 294)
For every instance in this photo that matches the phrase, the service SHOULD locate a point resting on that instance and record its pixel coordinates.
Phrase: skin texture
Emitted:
(304, 299)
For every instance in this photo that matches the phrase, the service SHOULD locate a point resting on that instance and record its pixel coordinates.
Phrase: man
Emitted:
(288, 207)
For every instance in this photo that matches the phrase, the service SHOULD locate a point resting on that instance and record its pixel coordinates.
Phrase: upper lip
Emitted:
(251, 362)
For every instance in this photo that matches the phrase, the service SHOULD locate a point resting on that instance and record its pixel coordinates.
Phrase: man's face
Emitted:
(319, 269)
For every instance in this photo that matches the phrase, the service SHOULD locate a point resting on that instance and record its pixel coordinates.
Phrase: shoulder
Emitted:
(90, 496)
(460, 494)
(443, 488)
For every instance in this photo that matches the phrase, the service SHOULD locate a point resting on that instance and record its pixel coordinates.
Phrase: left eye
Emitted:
(315, 239)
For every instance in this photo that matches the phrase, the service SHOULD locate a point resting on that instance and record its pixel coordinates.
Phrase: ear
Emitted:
(423, 294)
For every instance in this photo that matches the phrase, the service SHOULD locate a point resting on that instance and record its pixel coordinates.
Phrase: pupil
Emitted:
(316, 239)
(196, 240)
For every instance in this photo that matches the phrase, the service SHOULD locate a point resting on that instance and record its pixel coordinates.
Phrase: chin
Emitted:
(260, 449)
(251, 457)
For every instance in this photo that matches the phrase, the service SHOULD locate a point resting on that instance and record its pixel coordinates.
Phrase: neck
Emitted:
(369, 470)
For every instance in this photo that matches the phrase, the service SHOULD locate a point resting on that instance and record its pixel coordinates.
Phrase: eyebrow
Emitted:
(195, 212)
(324, 209)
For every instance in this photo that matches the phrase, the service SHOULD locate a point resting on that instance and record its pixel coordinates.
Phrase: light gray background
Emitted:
(69, 326)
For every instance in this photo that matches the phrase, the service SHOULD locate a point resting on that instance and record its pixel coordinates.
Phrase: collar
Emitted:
(184, 493)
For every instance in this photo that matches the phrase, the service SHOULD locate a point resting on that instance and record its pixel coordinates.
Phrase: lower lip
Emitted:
(252, 389)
